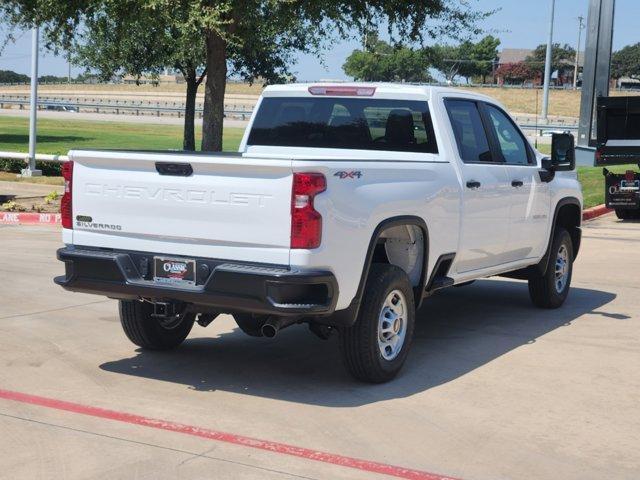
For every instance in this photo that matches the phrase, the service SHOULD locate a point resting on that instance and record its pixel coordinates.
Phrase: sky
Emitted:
(518, 23)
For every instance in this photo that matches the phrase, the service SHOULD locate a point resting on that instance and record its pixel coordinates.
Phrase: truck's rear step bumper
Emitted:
(229, 287)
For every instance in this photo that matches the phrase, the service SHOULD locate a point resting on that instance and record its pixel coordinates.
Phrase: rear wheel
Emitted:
(150, 332)
(551, 289)
(376, 346)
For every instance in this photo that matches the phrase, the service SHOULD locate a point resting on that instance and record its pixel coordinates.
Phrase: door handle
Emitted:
(473, 184)
(517, 183)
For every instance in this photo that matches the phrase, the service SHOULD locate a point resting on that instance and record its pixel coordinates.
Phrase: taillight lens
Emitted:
(598, 155)
(306, 222)
(66, 200)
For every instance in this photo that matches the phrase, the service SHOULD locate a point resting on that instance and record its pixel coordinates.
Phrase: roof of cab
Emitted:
(386, 89)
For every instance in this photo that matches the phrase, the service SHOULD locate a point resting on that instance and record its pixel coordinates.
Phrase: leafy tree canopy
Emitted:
(9, 76)
(561, 56)
(468, 59)
(626, 62)
(514, 73)
(380, 62)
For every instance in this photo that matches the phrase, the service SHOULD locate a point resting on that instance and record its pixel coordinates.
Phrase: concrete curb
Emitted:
(594, 212)
(30, 218)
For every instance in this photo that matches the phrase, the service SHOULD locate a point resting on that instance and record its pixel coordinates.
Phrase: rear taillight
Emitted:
(306, 222)
(66, 201)
(598, 155)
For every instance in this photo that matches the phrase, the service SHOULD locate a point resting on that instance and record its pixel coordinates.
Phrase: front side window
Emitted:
(468, 130)
(512, 144)
(352, 123)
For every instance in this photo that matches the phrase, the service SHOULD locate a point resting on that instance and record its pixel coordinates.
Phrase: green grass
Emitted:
(60, 136)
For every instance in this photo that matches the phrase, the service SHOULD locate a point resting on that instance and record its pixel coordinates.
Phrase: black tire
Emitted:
(624, 214)
(546, 290)
(359, 346)
(250, 324)
(149, 332)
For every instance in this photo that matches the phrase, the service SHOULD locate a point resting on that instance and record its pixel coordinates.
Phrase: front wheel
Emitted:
(150, 332)
(551, 289)
(376, 346)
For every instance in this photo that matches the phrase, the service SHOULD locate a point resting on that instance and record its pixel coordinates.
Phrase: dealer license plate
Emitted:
(174, 271)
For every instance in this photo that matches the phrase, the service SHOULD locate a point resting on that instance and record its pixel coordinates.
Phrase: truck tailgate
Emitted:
(230, 207)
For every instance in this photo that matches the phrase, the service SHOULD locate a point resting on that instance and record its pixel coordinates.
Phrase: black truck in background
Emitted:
(618, 143)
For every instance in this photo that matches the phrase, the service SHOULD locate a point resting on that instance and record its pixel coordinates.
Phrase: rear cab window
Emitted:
(344, 123)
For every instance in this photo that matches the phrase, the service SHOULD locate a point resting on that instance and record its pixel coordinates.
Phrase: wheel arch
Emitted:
(347, 316)
(567, 214)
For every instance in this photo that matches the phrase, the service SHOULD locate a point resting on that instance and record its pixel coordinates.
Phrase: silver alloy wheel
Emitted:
(562, 269)
(392, 325)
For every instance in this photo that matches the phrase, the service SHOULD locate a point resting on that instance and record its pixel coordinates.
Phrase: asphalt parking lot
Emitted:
(493, 388)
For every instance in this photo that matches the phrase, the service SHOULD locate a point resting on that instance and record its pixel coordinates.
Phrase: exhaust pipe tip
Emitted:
(269, 330)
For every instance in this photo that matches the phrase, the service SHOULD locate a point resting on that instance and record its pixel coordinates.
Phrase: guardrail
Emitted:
(40, 157)
(119, 106)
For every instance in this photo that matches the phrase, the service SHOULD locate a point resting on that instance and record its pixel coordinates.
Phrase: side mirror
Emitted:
(563, 152)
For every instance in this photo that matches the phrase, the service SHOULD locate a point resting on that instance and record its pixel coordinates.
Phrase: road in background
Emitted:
(493, 388)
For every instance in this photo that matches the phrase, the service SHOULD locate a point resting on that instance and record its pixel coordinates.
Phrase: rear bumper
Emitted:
(220, 285)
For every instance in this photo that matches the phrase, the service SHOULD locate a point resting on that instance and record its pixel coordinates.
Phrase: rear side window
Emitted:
(352, 123)
(469, 131)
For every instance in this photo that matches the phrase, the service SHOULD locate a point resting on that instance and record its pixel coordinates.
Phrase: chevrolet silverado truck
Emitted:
(345, 207)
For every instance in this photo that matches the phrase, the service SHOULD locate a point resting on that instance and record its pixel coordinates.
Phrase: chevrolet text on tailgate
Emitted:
(345, 208)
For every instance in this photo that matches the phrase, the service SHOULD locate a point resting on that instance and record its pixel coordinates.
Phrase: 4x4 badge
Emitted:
(350, 174)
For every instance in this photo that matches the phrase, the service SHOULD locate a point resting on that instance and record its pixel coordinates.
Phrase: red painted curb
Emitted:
(30, 218)
(594, 212)
(274, 447)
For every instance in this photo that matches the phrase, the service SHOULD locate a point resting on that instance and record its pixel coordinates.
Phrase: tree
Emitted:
(484, 54)
(561, 56)
(467, 59)
(129, 38)
(256, 36)
(380, 62)
(447, 59)
(513, 73)
(9, 76)
(626, 62)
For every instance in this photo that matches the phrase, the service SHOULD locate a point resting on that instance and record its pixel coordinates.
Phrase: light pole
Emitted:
(547, 66)
(575, 67)
(31, 171)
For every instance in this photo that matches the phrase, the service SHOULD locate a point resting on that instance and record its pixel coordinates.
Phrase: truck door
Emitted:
(485, 201)
(529, 197)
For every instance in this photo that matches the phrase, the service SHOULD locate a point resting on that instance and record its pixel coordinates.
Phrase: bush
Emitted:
(49, 169)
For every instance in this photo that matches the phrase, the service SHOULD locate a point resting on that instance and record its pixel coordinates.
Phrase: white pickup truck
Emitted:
(346, 206)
